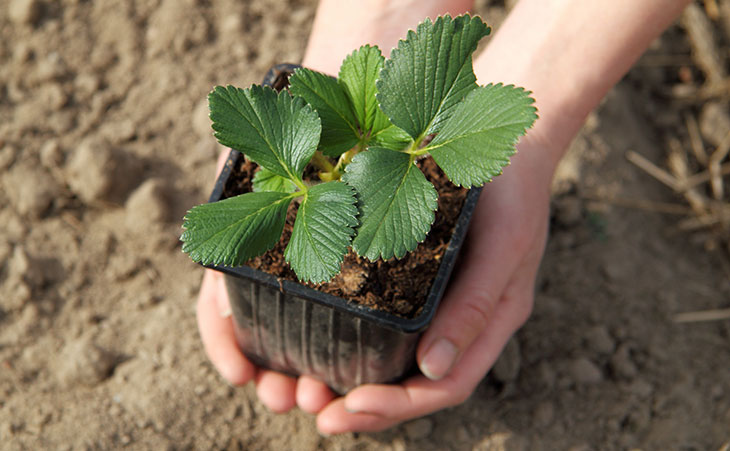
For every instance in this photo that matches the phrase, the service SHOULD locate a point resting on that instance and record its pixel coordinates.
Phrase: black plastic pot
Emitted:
(288, 327)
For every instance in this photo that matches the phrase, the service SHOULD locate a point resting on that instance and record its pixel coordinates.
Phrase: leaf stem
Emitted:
(322, 162)
(302, 187)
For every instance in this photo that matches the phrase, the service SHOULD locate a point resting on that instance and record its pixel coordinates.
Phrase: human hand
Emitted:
(489, 298)
(277, 391)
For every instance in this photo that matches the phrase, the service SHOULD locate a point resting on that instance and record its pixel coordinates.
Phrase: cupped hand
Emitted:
(488, 299)
(278, 392)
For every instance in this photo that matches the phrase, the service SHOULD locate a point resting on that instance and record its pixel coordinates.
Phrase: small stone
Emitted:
(622, 364)
(24, 12)
(51, 154)
(30, 189)
(599, 340)
(507, 367)
(714, 122)
(84, 362)
(418, 429)
(583, 371)
(147, 205)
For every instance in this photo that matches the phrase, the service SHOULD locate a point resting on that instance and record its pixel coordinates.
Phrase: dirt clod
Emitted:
(583, 371)
(97, 172)
(599, 340)
(30, 189)
(83, 362)
(147, 206)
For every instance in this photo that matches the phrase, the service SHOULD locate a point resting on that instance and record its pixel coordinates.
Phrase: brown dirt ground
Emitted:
(98, 341)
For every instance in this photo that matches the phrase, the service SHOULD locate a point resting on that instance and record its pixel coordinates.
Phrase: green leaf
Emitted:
(391, 137)
(322, 232)
(358, 74)
(265, 180)
(328, 98)
(429, 73)
(231, 231)
(477, 141)
(396, 203)
(278, 132)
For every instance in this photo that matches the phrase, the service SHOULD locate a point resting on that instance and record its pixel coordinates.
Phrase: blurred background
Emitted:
(105, 143)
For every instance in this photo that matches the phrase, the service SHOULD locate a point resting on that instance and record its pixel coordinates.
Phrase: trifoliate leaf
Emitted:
(391, 137)
(328, 98)
(429, 73)
(322, 232)
(265, 180)
(396, 203)
(278, 132)
(231, 231)
(357, 76)
(477, 141)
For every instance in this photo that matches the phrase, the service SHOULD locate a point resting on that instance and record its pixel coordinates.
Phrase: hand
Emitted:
(278, 392)
(487, 301)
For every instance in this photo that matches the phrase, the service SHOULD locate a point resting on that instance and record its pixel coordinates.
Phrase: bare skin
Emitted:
(569, 53)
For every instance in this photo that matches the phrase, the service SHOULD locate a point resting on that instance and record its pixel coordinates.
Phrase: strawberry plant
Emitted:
(363, 132)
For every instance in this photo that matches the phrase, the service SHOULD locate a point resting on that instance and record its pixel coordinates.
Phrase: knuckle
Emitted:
(477, 309)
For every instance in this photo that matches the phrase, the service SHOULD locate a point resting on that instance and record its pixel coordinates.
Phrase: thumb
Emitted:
(494, 262)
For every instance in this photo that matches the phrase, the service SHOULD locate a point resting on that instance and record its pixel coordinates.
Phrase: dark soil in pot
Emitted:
(397, 286)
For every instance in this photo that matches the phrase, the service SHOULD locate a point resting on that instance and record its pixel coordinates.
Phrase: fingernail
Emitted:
(439, 359)
(226, 313)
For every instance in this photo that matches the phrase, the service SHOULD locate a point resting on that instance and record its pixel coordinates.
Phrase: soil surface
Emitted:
(400, 287)
(105, 143)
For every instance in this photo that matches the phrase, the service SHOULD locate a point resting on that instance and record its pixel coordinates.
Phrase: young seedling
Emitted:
(363, 132)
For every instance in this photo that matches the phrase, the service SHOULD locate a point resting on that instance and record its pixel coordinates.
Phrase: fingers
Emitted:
(376, 407)
(216, 332)
(276, 390)
(312, 395)
(335, 419)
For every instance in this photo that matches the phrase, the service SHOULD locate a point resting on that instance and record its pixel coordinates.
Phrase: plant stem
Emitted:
(322, 162)
(346, 158)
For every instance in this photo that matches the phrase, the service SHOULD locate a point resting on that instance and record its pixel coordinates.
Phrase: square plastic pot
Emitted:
(289, 327)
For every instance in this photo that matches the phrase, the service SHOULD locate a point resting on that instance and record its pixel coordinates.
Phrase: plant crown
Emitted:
(363, 132)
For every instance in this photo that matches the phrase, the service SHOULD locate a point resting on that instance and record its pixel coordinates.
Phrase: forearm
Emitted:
(342, 26)
(569, 53)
